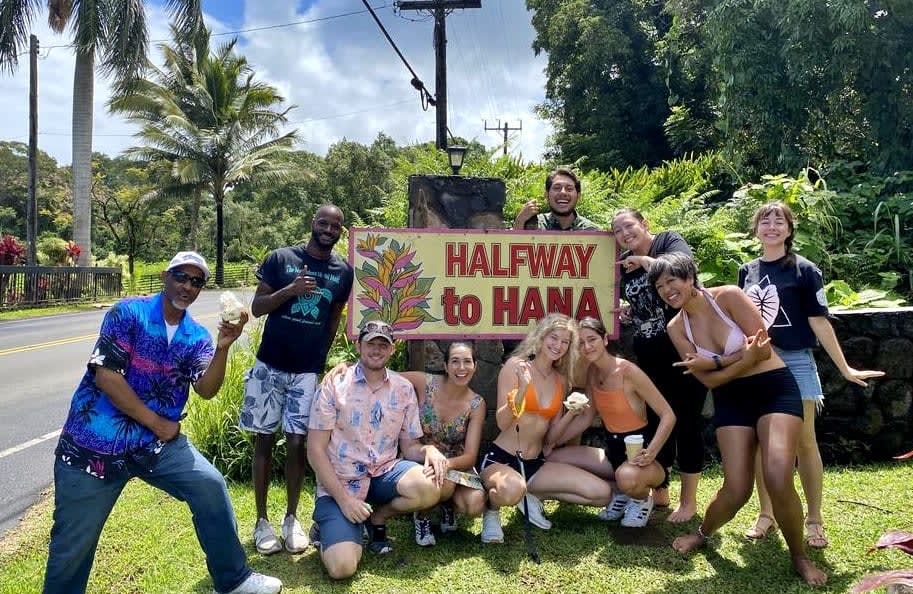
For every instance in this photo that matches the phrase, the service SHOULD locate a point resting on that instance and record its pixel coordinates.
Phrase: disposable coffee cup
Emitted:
(633, 445)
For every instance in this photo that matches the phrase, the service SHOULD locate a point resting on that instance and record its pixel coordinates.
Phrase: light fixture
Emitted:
(456, 154)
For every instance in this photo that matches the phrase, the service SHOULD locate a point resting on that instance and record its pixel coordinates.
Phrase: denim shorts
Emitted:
(802, 365)
(336, 528)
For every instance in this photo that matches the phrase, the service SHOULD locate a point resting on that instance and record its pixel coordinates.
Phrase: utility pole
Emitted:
(31, 218)
(439, 9)
(505, 129)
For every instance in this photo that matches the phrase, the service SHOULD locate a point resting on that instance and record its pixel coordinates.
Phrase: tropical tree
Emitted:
(115, 31)
(205, 115)
(605, 93)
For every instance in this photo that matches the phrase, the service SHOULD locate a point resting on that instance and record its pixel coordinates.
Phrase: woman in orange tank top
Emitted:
(619, 393)
(531, 387)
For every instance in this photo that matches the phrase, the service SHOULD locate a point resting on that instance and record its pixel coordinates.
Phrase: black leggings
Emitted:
(684, 394)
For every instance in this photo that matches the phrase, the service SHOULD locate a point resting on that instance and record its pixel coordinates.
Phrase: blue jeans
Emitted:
(82, 504)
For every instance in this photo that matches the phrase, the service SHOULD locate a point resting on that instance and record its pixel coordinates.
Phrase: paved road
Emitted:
(41, 362)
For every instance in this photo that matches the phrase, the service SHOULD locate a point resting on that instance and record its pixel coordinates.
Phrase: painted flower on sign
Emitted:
(392, 288)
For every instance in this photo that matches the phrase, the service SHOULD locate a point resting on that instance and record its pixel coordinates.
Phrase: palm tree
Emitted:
(205, 115)
(116, 31)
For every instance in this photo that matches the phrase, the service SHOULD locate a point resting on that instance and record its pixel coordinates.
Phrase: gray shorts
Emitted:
(271, 396)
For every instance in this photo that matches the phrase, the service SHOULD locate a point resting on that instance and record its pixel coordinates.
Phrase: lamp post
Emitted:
(455, 154)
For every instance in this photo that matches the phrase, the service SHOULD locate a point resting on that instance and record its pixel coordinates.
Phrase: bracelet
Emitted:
(719, 362)
(700, 532)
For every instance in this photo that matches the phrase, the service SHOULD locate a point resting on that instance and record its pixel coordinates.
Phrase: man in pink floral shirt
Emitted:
(362, 424)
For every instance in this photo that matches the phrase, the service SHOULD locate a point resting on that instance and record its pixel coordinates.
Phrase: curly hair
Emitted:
(532, 344)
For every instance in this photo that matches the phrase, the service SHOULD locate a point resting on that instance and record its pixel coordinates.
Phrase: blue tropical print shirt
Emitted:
(133, 341)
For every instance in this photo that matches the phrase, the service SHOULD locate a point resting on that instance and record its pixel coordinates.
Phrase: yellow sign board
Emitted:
(479, 283)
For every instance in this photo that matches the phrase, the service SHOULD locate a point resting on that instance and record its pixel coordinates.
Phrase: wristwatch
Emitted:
(719, 362)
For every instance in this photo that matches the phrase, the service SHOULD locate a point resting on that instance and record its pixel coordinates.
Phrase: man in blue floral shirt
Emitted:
(124, 423)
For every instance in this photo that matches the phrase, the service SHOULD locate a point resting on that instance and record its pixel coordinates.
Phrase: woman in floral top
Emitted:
(452, 416)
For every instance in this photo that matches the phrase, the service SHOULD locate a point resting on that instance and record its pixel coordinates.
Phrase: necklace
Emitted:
(551, 370)
(377, 389)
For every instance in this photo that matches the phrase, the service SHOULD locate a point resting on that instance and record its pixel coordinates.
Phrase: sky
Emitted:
(337, 68)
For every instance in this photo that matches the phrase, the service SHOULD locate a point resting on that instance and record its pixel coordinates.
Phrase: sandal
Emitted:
(814, 535)
(762, 528)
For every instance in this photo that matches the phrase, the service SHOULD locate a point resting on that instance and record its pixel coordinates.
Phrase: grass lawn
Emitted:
(149, 546)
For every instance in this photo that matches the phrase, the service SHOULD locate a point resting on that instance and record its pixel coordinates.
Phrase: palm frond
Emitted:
(15, 21)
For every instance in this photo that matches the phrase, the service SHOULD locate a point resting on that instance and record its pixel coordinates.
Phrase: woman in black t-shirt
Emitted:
(789, 292)
(656, 354)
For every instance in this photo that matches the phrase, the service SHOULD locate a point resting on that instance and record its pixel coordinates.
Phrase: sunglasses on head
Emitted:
(182, 277)
(374, 326)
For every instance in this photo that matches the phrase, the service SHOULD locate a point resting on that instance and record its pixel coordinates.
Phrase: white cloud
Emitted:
(341, 73)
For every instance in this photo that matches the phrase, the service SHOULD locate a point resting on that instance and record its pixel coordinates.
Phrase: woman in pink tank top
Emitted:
(757, 403)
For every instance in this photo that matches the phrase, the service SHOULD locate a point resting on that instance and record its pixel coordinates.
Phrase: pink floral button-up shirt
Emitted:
(365, 426)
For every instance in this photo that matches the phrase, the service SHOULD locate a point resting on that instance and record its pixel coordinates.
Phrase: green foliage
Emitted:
(52, 250)
(604, 92)
(212, 425)
(113, 260)
(207, 119)
(54, 208)
(774, 85)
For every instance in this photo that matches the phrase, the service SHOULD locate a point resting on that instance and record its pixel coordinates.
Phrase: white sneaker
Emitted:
(615, 509)
(257, 583)
(265, 538)
(296, 541)
(491, 526)
(423, 535)
(536, 517)
(637, 513)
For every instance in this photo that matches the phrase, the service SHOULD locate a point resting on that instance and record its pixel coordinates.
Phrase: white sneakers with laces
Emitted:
(637, 513)
(296, 541)
(491, 526)
(536, 516)
(423, 535)
(615, 510)
(265, 538)
(257, 583)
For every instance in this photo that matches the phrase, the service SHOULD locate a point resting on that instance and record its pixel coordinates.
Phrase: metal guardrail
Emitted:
(233, 276)
(32, 286)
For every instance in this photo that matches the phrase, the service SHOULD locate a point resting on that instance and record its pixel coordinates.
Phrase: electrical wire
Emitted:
(426, 96)
(265, 27)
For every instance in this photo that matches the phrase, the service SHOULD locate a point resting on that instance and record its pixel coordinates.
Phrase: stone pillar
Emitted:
(457, 202)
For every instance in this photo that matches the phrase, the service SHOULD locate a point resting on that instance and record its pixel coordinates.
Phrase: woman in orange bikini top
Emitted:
(531, 389)
(619, 393)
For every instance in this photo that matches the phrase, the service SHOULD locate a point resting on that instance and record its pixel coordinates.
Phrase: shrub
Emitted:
(11, 251)
(212, 425)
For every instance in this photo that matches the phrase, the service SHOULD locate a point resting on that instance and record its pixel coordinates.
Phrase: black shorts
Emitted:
(497, 455)
(617, 455)
(744, 400)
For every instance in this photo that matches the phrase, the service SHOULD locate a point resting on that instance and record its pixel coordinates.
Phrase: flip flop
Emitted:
(759, 531)
(815, 536)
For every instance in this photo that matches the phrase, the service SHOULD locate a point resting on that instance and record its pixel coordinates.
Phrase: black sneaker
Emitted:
(314, 535)
(378, 544)
(448, 518)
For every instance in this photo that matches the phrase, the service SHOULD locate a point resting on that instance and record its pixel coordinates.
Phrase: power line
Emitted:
(427, 97)
(265, 27)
